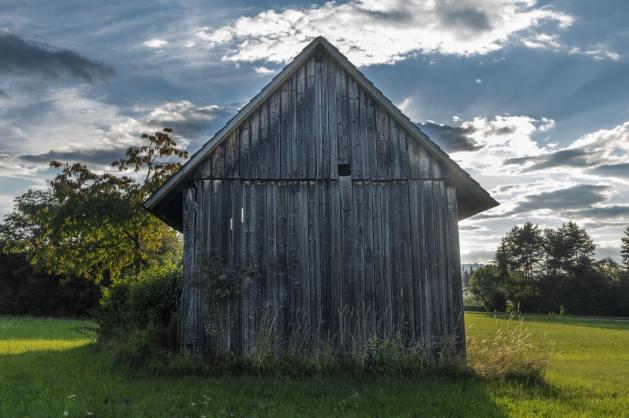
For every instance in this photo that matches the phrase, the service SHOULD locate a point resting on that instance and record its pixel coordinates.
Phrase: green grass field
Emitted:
(48, 369)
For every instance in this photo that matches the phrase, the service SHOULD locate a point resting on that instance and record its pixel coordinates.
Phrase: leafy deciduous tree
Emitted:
(90, 224)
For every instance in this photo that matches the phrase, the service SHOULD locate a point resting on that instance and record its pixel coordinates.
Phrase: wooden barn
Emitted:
(346, 211)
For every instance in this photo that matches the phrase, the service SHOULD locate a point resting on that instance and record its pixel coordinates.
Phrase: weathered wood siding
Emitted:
(377, 244)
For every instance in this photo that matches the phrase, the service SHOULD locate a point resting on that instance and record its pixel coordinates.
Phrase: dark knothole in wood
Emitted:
(345, 170)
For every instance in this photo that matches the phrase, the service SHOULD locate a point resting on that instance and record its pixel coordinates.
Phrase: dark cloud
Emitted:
(574, 157)
(602, 212)
(614, 170)
(93, 156)
(504, 130)
(21, 57)
(451, 138)
(3, 93)
(466, 17)
(400, 15)
(603, 224)
(579, 196)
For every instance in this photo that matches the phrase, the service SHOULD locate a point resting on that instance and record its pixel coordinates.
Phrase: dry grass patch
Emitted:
(509, 353)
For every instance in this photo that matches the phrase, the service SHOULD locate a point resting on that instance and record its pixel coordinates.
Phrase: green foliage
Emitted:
(488, 288)
(546, 272)
(521, 250)
(91, 225)
(624, 248)
(24, 291)
(568, 249)
(138, 317)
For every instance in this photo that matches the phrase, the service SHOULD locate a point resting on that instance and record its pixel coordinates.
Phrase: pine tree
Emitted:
(624, 248)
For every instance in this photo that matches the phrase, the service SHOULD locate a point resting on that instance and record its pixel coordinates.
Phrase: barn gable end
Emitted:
(341, 119)
(343, 206)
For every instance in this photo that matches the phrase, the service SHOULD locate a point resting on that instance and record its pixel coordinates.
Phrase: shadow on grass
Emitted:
(78, 380)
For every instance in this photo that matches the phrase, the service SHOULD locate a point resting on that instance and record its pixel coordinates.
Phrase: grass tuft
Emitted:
(510, 354)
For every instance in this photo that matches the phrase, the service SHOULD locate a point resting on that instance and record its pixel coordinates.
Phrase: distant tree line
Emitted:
(553, 271)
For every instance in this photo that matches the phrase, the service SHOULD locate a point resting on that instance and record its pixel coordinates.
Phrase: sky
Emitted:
(530, 97)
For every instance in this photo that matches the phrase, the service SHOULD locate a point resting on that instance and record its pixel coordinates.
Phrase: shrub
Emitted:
(511, 353)
(138, 317)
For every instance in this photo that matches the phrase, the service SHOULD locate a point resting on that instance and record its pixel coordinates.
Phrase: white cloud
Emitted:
(596, 163)
(263, 70)
(411, 108)
(542, 40)
(598, 52)
(155, 43)
(501, 138)
(383, 32)
(551, 41)
(182, 111)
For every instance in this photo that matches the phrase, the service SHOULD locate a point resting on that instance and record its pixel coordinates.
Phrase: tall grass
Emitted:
(510, 353)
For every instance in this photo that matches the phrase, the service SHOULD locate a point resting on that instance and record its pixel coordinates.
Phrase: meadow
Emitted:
(50, 368)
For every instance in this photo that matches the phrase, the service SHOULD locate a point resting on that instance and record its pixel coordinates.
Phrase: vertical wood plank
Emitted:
(333, 130)
(322, 136)
(225, 256)
(282, 250)
(405, 260)
(236, 260)
(342, 106)
(355, 141)
(363, 135)
(394, 248)
(394, 147)
(311, 139)
(413, 158)
(253, 172)
(358, 250)
(275, 120)
(348, 280)
(404, 153)
(232, 153)
(187, 301)
(386, 249)
(415, 232)
(424, 163)
(455, 270)
(379, 261)
(367, 215)
(245, 150)
(299, 154)
(218, 161)
(314, 252)
(429, 251)
(326, 256)
(383, 153)
(303, 291)
(372, 139)
(261, 248)
(264, 147)
(286, 115)
(336, 259)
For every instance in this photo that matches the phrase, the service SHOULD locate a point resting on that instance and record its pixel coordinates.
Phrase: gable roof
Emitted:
(474, 198)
